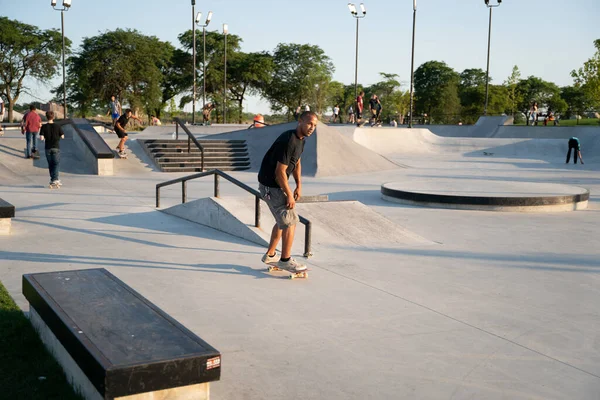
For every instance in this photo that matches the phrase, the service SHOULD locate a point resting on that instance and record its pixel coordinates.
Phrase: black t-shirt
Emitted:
(51, 134)
(373, 104)
(287, 149)
(123, 120)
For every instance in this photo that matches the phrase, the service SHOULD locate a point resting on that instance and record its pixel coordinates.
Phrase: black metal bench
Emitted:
(7, 212)
(116, 342)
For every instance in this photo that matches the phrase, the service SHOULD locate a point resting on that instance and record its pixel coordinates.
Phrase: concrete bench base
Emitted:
(5, 224)
(82, 384)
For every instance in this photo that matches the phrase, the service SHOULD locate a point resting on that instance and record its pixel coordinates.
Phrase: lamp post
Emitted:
(194, 21)
(412, 65)
(225, 32)
(487, 74)
(66, 5)
(356, 15)
(203, 26)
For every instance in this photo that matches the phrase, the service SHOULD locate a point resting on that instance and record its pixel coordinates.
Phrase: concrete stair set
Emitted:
(172, 156)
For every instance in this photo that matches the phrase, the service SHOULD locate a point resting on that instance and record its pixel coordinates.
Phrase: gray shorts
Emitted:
(277, 202)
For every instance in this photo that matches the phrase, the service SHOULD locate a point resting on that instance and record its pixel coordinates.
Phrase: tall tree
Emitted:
(576, 99)
(436, 91)
(471, 91)
(26, 51)
(514, 97)
(300, 71)
(248, 73)
(534, 89)
(127, 64)
(588, 77)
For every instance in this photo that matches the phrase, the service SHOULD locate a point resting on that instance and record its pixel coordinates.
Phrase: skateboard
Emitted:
(54, 186)
(121, 156)
(35, 155)
(293, 275)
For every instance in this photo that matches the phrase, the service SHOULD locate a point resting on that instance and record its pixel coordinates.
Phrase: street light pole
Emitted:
(355, 14)
(66, 5)
(412, 66)
(194, 61)
(208, 18)
(487, 74)
(225, 32)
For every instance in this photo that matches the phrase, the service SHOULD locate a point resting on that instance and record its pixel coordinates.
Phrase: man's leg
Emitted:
(34, 141)
(275, 237)
(568, 155)
(122, 143)
(28, 146)
(287, 235)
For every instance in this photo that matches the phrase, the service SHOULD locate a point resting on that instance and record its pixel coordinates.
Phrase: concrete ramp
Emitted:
(339, 224)
(232, 215)
(400, 142)
(327, 151)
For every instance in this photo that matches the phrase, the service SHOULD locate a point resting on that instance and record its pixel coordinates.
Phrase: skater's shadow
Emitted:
(111, 262)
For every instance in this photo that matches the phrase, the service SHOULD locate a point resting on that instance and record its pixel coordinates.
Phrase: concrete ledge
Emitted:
(126, 347)
(7, 211)
(488, 195)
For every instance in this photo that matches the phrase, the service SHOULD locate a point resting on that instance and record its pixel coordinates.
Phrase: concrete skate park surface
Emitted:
(491, 306)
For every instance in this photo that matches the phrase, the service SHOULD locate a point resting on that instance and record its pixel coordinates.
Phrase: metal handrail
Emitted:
(191, 138)
(218, 173)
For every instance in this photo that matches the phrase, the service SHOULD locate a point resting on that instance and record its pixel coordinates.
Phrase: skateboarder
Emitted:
(32, 124)
(120, 130)
(51, 133)
(576, 147)
(206, 111)
(359, 108)
(281, 161)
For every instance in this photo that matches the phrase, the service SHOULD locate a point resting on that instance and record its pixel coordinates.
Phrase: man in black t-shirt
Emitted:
(51, 134)
(120, 129)
(281, 161)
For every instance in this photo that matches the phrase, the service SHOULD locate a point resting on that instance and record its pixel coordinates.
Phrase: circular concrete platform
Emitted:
(487, 195)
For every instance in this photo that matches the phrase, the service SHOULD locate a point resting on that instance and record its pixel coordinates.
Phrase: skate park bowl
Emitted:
(485, 195)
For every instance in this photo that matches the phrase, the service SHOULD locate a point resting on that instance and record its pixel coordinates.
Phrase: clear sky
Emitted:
(545, 38)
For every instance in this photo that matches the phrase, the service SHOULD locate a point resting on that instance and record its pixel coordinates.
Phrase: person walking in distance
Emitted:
(114, 109)
(351, 115)
(121, 132)
(336, 113)
(1, 115)
(281, 161)
(534, 113)
(359, 108)
(51, 133)
(576, 147)
(32, 124)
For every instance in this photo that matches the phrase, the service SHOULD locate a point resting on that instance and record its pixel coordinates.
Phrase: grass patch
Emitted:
(25, 360)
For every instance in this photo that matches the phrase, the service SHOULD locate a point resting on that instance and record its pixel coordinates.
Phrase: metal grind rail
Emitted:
(191, 138)
(257, 198)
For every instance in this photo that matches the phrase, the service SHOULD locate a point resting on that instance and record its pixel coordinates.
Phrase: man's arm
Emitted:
(282, 181)
(297, 174)
(579, 154)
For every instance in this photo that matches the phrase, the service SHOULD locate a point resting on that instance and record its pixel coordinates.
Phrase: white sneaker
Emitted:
(267, 259)
(58, 182)
(291, 265)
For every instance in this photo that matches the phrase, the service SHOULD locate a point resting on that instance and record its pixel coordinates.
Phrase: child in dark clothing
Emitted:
(51, 134)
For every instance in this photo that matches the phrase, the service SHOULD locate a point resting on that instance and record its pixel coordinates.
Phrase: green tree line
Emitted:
(148, 74)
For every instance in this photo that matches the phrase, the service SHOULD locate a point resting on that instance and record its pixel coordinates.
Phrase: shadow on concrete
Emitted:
(202, 233)
(550, 262)
(161, 222)
(95, 262)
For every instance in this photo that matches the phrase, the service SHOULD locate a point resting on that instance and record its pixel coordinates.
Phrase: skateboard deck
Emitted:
(120, 156)
(293, 275)
(53, 186)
